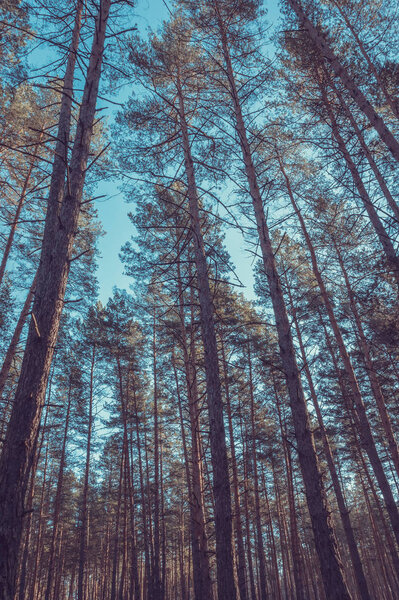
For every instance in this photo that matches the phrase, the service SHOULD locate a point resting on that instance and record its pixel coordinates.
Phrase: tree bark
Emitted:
(385, 240)
(199, 542)
(322, 45)
(344, 512)
(16, 458)
(84, 500)
(324, 537)
(57, 504)
(241, 563)
(371, 372)
(156, 568)
(221, 483)
(258, 523)
(365, 430)
(391, 103)
(299, 575)
(366, 150)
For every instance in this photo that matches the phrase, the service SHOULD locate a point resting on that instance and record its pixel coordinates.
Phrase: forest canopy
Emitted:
(224, 425)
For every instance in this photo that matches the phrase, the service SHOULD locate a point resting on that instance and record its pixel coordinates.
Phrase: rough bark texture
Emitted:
(17, 455)
(221, 483)
(326, 545)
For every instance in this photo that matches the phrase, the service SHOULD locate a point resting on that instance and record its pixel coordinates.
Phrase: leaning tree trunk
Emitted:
(21, 201)
(343, 509)
(322, 45)
(326, 544)
(365, 432)
(12, 348)
(365, 148)
(17, 455)
(385, 240)
(392, 103)
(371, 372)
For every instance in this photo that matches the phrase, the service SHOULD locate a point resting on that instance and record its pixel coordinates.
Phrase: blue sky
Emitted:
(113, 209)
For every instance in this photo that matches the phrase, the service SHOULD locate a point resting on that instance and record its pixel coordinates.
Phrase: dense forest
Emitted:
(219, 428)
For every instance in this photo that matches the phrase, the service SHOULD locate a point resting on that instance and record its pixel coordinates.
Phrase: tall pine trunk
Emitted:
(343, 509)
(326, 545)
(57, 246)
(322, 45)
(365, 432)
(84, 501)
(221, 483)
(57, 504)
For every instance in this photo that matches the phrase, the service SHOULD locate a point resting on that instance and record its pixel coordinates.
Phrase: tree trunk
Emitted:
(57, 504)
(28, 534)
(20, 204)
(241, 566)
(323, 47)
(344, 512)
(295, 540)
(12, 348)
(324, 537)
(366, 150)
(365, 429)
(199, 542)
(114, 575)
(385, 240)
(393, 104)
(259, 535)
(156, 569)
(16, 458)
(371, 373)
(221, 484)
(143, 502)
(84, 508)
